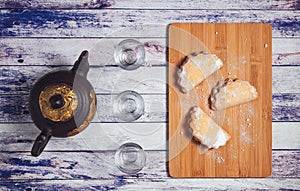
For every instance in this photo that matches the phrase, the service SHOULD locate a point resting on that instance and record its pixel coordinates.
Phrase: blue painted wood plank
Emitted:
(100, 165)
(154, 184)
(154, 4)
(17, 105)
(14, 108)
(286, 107)
(129, 23)
(113, 80)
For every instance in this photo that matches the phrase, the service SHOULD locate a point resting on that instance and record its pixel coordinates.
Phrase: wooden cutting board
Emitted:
(246, 51)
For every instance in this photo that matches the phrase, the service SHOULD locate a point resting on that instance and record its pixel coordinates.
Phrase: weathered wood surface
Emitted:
(28, 51)
(118, 183)
(107, 80)
(14, 108)
(154, 4)
(130, 18)
(98, 136)
(286, 110)
(286, 135)
(113, 80)
(284, 54)
(109, 136)
(98, 165)
(132, 23)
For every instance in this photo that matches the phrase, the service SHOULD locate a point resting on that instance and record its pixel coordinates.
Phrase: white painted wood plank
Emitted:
(155, 109)
(98, 136)
(113, 80)
(285, 135)
(156, 184)
(132, 23)
(51, 52)
(208, 4)
(98, 165)
(154, 4)
(285, 80)
(36, 51)
(286, 51)
(109, 136)
(143, 80)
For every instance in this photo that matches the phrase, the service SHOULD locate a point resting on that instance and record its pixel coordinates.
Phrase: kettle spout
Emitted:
(81, 66)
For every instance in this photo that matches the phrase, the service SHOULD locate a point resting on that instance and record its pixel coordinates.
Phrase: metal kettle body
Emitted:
(62, 103)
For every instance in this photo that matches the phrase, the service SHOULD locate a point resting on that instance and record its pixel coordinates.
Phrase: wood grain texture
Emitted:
(109, 136)
(286, 114)
(288, 84)
(14, 108)
(113, 80)
(155, 4)
(125, 19)
(119, 183)
(284, 54)
(28, 51)
(132, 23)
(97, 137)
(100, 165)
(107, 80)
(248, 152)
(286, 142)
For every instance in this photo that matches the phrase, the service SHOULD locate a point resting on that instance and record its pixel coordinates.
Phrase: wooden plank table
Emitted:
(39, 36)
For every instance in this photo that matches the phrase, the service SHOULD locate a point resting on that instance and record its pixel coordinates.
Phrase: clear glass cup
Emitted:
(128, 106)
(129, 54)
(130, 158)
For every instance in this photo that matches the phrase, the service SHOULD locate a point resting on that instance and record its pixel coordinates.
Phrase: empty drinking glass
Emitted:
(128, 106)
(129, 54)
(130, 158)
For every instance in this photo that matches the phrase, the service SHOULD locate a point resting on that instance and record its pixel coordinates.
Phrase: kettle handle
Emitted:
(81, 66)
(41, 142)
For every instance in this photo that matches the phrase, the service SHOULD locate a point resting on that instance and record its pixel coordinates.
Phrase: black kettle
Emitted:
(62, 103)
